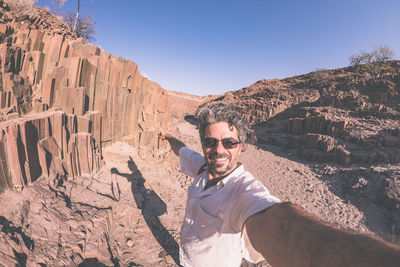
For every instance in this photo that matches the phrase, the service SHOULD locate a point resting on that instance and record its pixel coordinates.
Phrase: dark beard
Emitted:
(212, 167)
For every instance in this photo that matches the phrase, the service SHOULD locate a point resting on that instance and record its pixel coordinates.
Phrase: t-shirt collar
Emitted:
(239, 170)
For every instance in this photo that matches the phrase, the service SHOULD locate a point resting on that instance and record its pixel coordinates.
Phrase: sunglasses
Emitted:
(228, 143)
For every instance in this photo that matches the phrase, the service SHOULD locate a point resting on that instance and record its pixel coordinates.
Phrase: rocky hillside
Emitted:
(182, 104)
(344, 122)
(62, 100)
(342, 115)
(78, 139)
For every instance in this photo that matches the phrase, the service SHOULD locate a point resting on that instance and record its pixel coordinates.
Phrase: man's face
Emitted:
(221, 160)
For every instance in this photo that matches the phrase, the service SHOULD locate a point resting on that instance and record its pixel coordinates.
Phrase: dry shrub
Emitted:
(376, 62)
(84, 26)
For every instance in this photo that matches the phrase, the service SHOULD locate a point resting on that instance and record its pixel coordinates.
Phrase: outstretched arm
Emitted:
(286, 235)
(175, 144)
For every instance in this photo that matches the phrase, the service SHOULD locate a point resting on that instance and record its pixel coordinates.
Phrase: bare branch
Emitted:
(85, 26)
(380, 54)
(375, 62)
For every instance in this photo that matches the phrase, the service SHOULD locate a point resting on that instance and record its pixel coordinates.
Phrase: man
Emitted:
(227, 208)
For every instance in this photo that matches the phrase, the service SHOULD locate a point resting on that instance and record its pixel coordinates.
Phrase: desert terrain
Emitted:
(129, 214)
(86, 181)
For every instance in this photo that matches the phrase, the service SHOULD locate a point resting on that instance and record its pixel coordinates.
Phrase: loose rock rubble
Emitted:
(344, 120)
(85, 180)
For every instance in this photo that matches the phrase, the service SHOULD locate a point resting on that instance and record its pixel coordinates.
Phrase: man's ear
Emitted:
(243, 147)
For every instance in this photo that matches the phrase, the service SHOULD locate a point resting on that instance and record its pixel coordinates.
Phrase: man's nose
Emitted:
(219, 148)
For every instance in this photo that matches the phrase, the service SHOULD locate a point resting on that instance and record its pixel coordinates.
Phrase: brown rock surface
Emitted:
(100, 98)
(62, 101)
(358, 110)
(98, 187)
(345, 124)
(183, 104)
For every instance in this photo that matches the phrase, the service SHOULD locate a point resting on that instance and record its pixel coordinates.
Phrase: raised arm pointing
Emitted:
(175, 143)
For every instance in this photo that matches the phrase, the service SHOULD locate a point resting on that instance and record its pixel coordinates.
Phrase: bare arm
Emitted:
(175, 144)
(286, 235)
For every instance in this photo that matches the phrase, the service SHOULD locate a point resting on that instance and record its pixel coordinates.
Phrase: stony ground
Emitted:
(130, 213)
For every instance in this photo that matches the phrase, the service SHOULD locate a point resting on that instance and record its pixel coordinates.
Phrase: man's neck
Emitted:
(213, 179)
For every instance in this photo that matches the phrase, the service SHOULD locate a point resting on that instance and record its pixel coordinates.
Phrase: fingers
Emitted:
(162, 134)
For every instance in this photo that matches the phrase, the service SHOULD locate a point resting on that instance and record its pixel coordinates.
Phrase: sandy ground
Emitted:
(290, 180)
(286, 178)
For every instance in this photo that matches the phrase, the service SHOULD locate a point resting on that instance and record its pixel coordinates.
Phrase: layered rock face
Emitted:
(83, 99)
(343, 116)
(347, 118)
(182, 104)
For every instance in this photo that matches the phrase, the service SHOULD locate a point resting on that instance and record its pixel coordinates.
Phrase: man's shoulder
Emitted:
(240, 174)
(186, 151)
(244, 180)
(240, 178)
(190, 161)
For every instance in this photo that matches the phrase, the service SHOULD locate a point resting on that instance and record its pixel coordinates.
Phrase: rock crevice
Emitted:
(62, 100)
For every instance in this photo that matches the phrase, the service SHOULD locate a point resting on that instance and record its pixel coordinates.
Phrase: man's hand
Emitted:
(286, 235)
(174, 143)
(162, 134)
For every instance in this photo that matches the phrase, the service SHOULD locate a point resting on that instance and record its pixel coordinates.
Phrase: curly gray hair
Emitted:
(221, 112)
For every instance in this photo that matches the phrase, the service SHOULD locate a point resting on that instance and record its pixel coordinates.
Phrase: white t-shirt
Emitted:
(211, 233)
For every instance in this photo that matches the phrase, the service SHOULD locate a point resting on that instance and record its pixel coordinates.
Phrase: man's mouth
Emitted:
(218, 159)
(219, 163)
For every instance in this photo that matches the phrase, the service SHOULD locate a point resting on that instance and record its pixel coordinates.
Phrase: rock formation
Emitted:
(183, 104)
(343, 116)
(64, 104)
(344, 119)
(62, 100)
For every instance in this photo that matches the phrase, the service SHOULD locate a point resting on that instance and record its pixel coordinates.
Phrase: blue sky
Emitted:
(213, 46)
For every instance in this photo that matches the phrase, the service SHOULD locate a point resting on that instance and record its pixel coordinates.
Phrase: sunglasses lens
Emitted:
(228, 143)
(210, 142)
